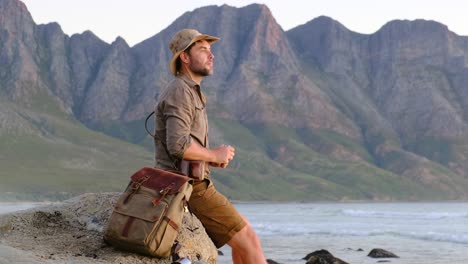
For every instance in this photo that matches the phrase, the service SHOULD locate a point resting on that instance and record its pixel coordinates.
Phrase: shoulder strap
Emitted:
(174, 162)
(146, 125)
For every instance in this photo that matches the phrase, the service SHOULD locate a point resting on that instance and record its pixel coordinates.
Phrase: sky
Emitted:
(137, 20)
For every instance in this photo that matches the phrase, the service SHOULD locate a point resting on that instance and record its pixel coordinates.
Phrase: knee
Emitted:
(249, 233)
(245, 238)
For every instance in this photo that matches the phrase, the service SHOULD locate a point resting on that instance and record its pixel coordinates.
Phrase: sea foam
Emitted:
(401, 214)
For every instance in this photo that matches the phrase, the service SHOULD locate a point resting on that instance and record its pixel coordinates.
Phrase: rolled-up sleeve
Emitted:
(177, 110)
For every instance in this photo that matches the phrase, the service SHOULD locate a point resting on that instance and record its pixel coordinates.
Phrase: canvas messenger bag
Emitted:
(148, 215)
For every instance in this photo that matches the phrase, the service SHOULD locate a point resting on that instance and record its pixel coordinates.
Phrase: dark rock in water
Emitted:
(383, 261)
(270, 261)
(381, 253)
(322, 257)
(359, 249)
(220, 253)
(317, 252)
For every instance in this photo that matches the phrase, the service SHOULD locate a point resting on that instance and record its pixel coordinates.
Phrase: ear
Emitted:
(184, 57)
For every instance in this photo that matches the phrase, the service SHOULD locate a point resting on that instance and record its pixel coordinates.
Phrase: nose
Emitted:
(211, 56)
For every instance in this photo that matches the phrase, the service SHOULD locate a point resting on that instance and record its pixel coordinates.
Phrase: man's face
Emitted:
(201, 58)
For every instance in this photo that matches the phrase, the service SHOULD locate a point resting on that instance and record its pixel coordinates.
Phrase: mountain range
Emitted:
(317, 112)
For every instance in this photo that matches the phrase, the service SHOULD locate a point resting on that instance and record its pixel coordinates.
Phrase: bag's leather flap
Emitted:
(159, 180)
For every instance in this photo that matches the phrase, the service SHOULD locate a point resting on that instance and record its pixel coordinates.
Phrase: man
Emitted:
(182, 133)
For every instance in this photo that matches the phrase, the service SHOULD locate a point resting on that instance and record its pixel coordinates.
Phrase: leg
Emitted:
(236, 258)
(224, 224)
(246, 247)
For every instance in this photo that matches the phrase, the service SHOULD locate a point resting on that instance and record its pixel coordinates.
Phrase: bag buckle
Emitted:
(167, 189)
(163, 194)
(136, 185)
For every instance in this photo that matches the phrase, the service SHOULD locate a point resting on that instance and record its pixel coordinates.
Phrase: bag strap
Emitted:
(146, 125)
(174, 162)
(135, 186)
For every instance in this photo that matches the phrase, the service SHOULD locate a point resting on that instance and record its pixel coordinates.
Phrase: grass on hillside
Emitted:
(287, 169)
(273, 162)
(65, 159)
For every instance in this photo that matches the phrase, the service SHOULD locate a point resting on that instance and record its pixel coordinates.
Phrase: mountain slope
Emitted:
(402, 90)
(315, 113)
(47, 156)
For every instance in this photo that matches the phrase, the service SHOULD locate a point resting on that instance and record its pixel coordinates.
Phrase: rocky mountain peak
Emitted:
(88, 35)
(267, 33)
(326, 23)
(16, 20)
(13, 10)
(120, 42)
(19, 72)
(400, 28)
(409, 40)
(329, 37)
(51, 29)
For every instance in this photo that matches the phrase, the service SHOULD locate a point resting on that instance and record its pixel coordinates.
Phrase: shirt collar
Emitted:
(193, 85)
(187, 80)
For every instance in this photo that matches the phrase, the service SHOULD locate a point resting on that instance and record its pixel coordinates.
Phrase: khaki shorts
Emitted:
(219, 217)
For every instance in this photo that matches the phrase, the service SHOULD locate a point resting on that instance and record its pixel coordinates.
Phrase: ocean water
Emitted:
(7, 207)
(418, 233)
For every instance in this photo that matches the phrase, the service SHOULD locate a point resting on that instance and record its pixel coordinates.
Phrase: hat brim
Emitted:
(172, 63)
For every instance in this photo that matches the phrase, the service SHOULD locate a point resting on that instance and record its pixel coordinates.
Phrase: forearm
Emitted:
(197, 152)
(220, 156)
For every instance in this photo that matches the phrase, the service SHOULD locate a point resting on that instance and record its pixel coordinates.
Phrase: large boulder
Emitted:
(381, 253)
(71, 232)
(322, 257)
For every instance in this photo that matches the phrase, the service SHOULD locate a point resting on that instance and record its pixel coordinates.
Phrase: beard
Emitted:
(204, 72)
(200, 69)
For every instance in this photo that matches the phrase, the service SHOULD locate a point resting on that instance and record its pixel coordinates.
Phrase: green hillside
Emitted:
(279, 165)
(58, 158)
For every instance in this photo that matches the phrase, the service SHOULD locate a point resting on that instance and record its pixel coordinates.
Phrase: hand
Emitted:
(223, 155)
(217, 165)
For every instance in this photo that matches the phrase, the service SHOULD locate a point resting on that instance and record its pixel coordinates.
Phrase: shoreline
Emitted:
(289, 231)
(344, 201)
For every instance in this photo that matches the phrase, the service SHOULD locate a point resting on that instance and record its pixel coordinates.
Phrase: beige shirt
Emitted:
(180, 117)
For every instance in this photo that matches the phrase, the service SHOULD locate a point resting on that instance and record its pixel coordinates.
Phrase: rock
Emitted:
(322, 257)
(270, 261)
(381, 253)
(359, 249)
(71, 231)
